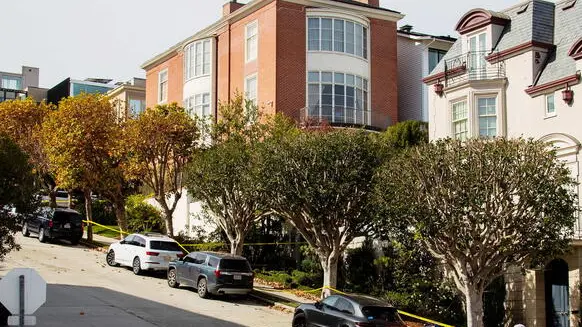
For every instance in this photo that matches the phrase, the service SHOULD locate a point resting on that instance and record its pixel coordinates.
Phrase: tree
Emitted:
(79, 139)
(160, 142)
(17, 191)
(406, 134)
(479, 206)
(321, 181)
(22, 120)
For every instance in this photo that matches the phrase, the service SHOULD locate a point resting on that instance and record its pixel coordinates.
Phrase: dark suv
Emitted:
(212, 273)
(56, 223)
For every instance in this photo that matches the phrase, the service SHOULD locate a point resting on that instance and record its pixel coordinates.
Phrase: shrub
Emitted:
(142, 216)
(103, 212)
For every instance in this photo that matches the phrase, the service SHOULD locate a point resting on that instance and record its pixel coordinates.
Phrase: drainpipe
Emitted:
(215, 79)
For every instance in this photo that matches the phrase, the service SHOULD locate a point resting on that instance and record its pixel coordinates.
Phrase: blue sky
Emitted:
(112, 38)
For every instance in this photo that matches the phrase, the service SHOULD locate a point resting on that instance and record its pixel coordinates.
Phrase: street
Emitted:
(83, 291)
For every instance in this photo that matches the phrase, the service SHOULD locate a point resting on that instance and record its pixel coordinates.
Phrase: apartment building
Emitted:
(71, 87)
(418, 55)
(128, 98)
(516, 73)
(332, 60)
(21, 85)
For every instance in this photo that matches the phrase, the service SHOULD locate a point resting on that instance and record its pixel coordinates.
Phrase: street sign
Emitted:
(34, 291)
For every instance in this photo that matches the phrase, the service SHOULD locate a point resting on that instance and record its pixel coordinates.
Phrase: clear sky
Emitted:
(112, 38)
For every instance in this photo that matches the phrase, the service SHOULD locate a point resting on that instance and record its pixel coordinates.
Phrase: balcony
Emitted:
(472, 66)
(344, 117)
(11, 94)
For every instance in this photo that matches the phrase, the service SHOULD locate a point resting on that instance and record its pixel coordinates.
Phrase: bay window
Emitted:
(338, 35)
(198, 105)
(338, 97)
(197, 59)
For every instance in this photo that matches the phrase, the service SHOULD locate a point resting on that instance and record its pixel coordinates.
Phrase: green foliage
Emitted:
(142, 216)
(295, 280)
(17, 190)
(406, 134)
(102, 210)
(359, 270)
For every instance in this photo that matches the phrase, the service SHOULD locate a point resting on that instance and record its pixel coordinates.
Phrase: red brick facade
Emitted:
(281, 62)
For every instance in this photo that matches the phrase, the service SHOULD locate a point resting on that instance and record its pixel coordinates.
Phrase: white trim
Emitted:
(367, 11)
(254, 23)
(160, 100)
(478, 116)
(546, 113)
(451, 120)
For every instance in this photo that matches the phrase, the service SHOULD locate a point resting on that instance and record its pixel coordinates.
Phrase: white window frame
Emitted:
(479, 116)
(365, 43)
(467, 119)
(251, 38)
(254, 76)
(546, 113)
(191, 56)
(161, 97)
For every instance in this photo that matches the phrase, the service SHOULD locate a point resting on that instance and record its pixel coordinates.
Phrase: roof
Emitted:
(224, 255)
(555, 26)
(154, 236)
(357, 3)
(447, 38)
(365, 300)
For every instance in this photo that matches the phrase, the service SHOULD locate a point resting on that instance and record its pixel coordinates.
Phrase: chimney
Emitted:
(373, 3)
(229, 7)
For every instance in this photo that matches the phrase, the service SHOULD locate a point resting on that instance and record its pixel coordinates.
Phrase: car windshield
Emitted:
(67, 217)
(165, 246)
(235, 265)
(386, 314)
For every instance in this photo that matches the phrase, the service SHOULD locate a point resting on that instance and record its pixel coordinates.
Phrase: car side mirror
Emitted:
(122, 242)
(318, 305)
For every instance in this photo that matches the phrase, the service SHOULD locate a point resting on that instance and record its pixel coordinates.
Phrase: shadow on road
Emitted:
(69, 305)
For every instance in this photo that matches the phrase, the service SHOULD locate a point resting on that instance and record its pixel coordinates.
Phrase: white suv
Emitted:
(147, 251)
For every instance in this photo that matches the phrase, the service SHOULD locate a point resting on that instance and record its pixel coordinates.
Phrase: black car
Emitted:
(347, 311)
(55, 223)
(212, 273)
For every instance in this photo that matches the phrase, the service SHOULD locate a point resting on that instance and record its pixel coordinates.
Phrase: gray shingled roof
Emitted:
(453, 52)
(567, 31)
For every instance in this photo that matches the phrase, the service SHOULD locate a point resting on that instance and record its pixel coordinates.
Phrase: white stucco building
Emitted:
(516, 73)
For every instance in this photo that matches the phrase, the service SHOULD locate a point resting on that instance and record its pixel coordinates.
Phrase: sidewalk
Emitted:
(281, 298)
(99, 241)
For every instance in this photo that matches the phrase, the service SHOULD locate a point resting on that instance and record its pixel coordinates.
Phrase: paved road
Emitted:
(84, 291)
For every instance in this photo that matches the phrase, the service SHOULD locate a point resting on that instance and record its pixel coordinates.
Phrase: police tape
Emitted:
(106, 227)
(424, 319)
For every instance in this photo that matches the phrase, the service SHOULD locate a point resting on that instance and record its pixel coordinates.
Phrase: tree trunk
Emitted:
(169, 223)
(474, 302)
(89, 214)
(236, 245)
(53, 197)
(119, 205)
(329, 265)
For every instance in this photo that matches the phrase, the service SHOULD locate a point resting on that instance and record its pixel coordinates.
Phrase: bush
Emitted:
(142, 216)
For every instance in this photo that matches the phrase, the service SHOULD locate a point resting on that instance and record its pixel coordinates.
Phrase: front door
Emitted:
(557, 294)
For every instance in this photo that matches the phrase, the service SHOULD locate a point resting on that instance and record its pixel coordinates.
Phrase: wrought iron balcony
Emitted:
(472, 66)
(343, 117)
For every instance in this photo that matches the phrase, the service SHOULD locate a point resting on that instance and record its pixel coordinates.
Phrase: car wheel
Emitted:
(25, 230)
(203, 288)
(299, 320)
(110, 258)
(136, 266)
(172, 278)
(41, 236)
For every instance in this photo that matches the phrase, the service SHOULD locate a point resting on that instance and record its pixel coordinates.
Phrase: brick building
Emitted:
(332, 60)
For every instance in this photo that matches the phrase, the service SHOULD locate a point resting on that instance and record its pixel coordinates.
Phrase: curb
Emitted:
(93, 245)
(258, 295)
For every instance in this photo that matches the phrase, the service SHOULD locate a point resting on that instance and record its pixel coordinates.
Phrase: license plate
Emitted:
(67, 225)
(237, 277)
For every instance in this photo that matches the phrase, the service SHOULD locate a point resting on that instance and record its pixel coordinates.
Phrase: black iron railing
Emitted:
(472, 66)
(344, 116)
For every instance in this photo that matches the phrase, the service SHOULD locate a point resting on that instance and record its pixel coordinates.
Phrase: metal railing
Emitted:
(472, 66)
(344, 117)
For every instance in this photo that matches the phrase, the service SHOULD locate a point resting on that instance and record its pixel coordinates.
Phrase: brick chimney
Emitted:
(231, 6)
(373, 3)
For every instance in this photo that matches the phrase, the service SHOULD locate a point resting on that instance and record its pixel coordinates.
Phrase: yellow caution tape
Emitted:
(106, 227)
(424, 319)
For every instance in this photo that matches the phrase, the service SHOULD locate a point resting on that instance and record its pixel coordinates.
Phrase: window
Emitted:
(136, 107)
(139, 241)
(460, 120)
(338, 35)
(487, 108)
(200, 258)
(235, 265)
(213, 262)
(198, 105)
(197, 59)
(330, 302)
(163, 86)
(128, 239)
(344, 306)
(434, 57)
(550, 105)
(338, 97)
(165, 246)
(251, 89)
(12, 82)
(252, 31)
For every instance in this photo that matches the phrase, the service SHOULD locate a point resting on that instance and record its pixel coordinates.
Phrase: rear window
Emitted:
(165, 246)
(235, 265)
(381, 314)
(67, 217)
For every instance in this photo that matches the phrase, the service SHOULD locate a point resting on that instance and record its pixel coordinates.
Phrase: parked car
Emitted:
(347, 311)
(147, 251)
(55, 223)
(212, 273)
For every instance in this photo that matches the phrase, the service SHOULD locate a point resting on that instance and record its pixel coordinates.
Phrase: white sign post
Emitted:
(22, 292)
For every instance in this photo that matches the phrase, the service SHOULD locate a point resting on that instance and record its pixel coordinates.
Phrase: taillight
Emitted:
(152, 254)
(217, 273)
(50, 224)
